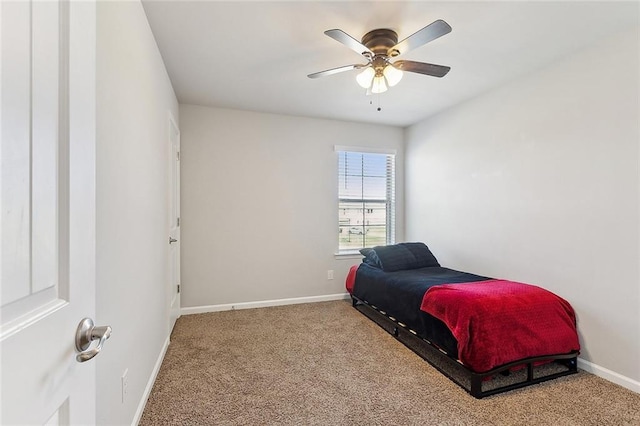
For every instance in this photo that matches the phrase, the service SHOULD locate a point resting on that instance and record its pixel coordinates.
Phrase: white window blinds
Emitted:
(366, 200)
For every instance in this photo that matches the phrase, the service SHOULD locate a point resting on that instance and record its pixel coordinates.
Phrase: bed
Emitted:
(487, 335)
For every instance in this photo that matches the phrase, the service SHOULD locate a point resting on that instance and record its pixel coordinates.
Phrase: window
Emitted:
(366, 199)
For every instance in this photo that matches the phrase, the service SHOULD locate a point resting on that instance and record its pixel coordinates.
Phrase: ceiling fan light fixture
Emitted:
(392, 74)
(379, 85)
(365, 78)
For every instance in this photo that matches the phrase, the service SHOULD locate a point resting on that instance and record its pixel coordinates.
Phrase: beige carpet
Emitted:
(327, 364)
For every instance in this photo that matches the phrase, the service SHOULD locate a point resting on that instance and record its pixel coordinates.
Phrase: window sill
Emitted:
(348, 255)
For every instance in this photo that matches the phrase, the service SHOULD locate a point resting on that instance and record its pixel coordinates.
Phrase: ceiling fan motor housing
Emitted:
(380, 41)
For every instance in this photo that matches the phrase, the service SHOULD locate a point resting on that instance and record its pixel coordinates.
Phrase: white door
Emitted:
(174, 223)
(47, 157)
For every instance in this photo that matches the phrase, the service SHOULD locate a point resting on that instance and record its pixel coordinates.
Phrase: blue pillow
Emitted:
(424, 257)
(370, 258)
(398, 257)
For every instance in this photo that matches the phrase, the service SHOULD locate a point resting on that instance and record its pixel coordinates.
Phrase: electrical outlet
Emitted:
(125, 384)
(330, 274)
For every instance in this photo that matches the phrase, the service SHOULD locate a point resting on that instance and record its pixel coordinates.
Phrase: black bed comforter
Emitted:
(400, 295)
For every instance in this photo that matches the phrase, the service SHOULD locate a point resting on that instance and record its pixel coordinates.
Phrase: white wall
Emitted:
(538, 181)
(134, 99)
(259, 203)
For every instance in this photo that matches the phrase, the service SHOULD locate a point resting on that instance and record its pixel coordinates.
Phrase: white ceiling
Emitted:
(256, 55)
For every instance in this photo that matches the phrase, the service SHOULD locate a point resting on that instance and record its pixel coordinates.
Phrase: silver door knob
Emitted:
(172, 240)
(85, 334)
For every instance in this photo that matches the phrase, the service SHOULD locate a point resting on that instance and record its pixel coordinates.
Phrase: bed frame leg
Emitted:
(354, 302)
(476, 386)
(572, 364)
(529, 372)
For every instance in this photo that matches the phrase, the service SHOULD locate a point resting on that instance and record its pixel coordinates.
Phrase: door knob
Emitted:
(85, 334)
(172, 240)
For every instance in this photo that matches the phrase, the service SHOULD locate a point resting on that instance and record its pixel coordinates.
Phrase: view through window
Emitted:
(366, 200)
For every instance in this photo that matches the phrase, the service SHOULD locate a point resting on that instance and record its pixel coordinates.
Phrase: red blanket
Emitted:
(497, 321)
(351, 278)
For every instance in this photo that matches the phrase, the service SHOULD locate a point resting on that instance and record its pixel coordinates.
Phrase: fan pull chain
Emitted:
(378, 108)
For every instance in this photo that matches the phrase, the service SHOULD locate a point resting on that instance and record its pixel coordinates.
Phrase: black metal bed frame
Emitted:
(451, 367)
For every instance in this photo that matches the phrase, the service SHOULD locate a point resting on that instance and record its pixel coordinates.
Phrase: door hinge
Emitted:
(178, 288)
(178, 155)
(178, 222)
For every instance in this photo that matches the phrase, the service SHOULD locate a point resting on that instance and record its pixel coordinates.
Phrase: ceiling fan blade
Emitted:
(422, 68)
(429, 33)
(349, 41)
(336, 70)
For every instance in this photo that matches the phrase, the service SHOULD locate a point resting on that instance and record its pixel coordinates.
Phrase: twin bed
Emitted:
(487, 335)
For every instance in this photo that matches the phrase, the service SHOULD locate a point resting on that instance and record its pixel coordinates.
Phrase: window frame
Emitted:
(391, 206)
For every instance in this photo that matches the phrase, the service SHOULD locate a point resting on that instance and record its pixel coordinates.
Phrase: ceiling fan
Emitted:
(378, 47)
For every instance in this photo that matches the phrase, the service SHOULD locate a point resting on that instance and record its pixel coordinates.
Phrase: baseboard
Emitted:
(609, 375)
(150, 382)
(262, 303)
